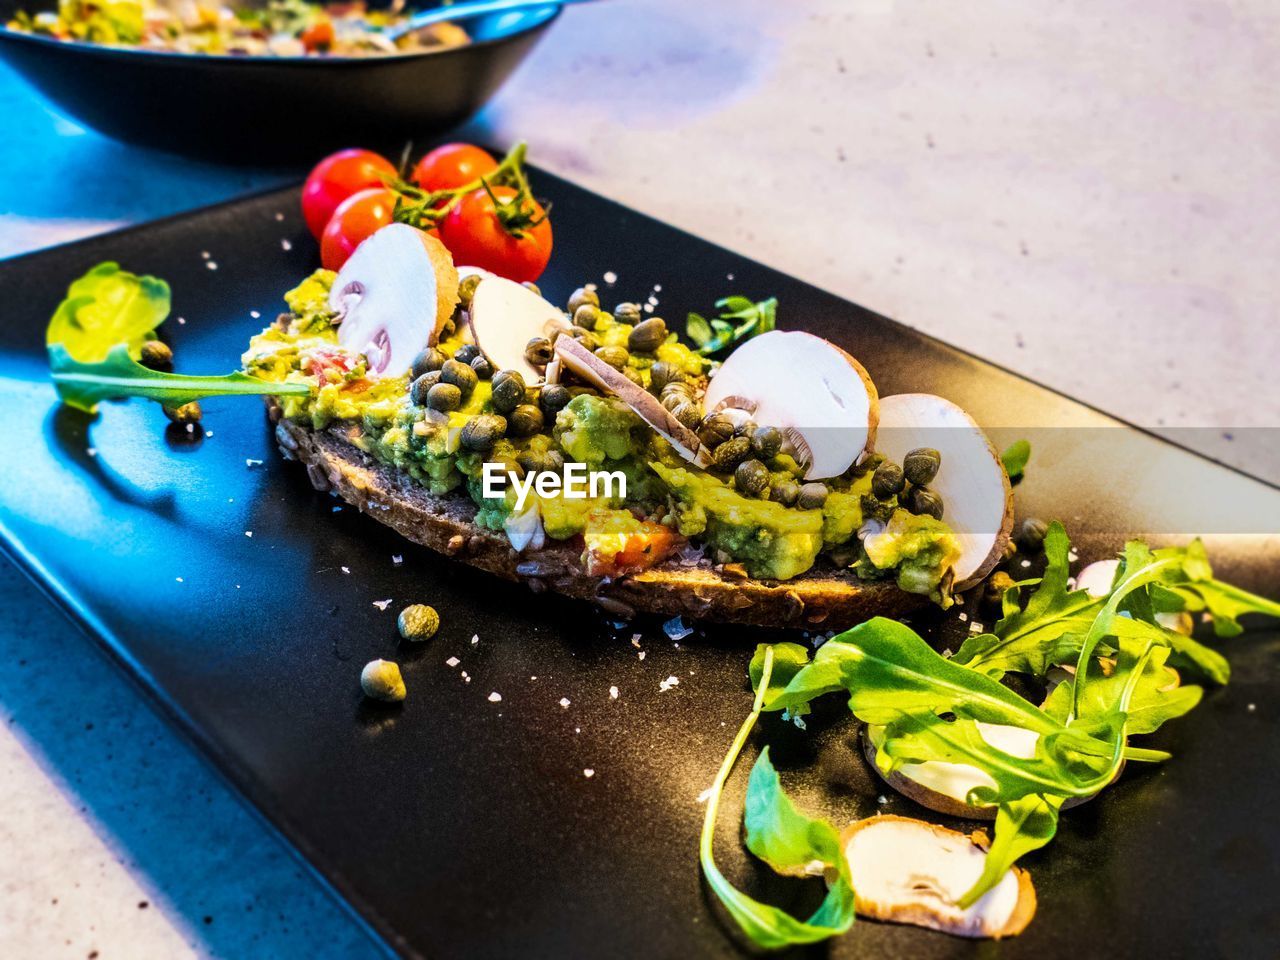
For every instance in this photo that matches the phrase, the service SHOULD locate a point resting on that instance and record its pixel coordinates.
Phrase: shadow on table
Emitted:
(216, 873)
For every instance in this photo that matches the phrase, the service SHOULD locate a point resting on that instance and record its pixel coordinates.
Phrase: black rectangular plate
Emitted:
(460, 827)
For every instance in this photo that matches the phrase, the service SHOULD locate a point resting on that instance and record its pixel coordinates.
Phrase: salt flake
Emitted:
(382, 604)
(564, 702)
(495, 697)
(613, 693)
(667, 684)
(452, 662)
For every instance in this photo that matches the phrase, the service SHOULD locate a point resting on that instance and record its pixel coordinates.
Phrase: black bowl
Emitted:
(271, 109)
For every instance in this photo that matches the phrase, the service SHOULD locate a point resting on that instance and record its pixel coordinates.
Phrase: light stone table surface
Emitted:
(1083, 192)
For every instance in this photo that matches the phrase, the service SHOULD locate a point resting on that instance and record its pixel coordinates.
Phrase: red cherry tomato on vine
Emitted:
(453, 165)
(356, 218)
(337, 177)
(475, 236)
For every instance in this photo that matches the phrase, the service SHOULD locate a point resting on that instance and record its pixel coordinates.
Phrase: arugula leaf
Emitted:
(1022, 825)
(788, 660)
(749, 319)
(1190, 579)
(1158, 696)
(107, 306)
(1015, 458)
(888, 670)
(791, 843)
(768, 926)
(85, 385)
(1034, 638)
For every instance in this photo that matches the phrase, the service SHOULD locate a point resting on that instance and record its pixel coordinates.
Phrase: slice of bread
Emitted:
(823, 598)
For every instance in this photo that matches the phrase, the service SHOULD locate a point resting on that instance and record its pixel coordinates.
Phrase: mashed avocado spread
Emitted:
(665, 495)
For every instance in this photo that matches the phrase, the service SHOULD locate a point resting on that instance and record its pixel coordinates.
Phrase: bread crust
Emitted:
(821, 599)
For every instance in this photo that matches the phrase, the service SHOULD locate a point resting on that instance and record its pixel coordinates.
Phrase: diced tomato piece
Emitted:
(612, 553)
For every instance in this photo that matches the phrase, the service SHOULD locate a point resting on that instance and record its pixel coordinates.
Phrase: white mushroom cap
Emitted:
(505, 316)
(393, 296)
(816, 394)
(976, 497)
(1096, 580)
(909, 871)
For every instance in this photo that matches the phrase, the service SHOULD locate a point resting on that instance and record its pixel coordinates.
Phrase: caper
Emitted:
(444, 397)
(1031, 533)
(586, 317)
(661, 374)
(508, 390)
(420, 387)
(647, 336)
(716, 429)
(627, 313)
(634, 375)
(580, 296)
(554, 398)
(920, 466)
(539, 351)
(482, 367)
(524, 421)
(924, 502)
(689, 414)
(156, 355)
(615, 357)
(812, 496)
(418, 622)
(482, 432)
(888, 480)
(460, 375)
(786, 492)
(729, 454)
(993, 590)
(381, 680)
(585, 337)
(532, 287)
(746, 428)
(530, 461)
(752, 478)
(553, 460)
(428, 360)
(766, 442)
(186, 413)
(466, 353)
(467, 289)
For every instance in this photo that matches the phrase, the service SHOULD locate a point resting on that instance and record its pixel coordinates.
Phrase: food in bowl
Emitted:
(279, 28)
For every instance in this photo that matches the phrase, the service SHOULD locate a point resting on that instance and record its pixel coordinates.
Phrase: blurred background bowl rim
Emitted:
(531, 19)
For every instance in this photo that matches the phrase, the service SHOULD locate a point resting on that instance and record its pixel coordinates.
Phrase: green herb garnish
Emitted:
(1015, 458)
(85, 385)
(783, 837)
(739, 320)
(1122, 680)
(97, 332)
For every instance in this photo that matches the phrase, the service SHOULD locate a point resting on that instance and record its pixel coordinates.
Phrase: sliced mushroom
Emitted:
(505, 316)
(599, 374)
(816, 394)
(944, 787)
(976, 497)
(909, 871)
(393, 297)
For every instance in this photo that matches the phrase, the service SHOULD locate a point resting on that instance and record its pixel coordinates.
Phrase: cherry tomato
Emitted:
(356, 218)
(453, 165)
(474, 236)
(337, 177)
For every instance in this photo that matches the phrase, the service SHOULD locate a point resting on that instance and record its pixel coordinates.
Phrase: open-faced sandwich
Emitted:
(774, 488)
